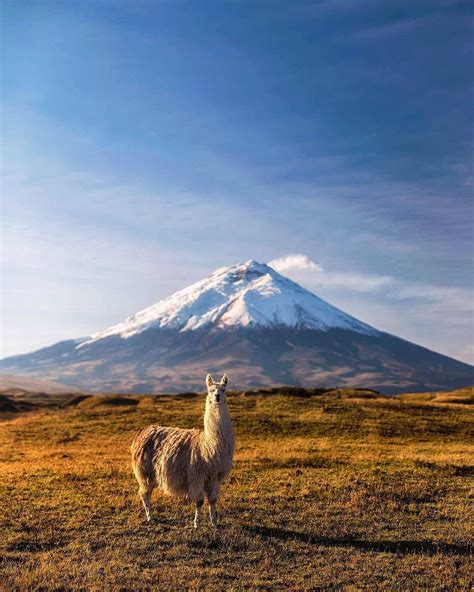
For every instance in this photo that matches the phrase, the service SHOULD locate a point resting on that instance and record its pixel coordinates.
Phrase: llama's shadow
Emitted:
(398, 547)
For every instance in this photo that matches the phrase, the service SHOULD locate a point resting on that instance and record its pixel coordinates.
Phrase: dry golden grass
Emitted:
(328, 493)
(461, 396)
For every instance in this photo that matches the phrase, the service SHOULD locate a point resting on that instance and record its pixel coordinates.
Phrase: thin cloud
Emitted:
(302, 268)
(458, 299)
(395, 28)
(352, 281)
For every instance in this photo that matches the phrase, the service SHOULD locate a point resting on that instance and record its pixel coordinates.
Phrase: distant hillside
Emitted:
(31, 384)
(13, 401)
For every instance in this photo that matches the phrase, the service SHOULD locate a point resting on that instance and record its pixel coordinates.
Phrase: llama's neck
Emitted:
(218, 431)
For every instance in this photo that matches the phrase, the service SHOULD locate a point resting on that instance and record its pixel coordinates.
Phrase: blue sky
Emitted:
(147, 143)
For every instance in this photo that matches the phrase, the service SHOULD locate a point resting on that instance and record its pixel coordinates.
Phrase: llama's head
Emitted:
(216, 390)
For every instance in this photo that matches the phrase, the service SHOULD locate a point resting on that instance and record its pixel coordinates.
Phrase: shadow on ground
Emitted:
(399, 547)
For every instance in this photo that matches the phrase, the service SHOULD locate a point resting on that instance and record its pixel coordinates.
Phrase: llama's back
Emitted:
(163, 457)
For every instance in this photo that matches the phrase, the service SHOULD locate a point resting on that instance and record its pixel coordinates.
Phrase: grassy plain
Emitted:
(336, 491)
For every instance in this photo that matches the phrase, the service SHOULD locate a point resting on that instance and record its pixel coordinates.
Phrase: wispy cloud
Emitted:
(395, 28)
(300, 266)
(459, 299)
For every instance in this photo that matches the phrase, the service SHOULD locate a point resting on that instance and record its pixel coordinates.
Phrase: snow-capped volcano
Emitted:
(252, 322)
(249, 294)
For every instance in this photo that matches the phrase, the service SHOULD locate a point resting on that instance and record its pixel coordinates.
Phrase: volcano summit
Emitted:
(253, 322)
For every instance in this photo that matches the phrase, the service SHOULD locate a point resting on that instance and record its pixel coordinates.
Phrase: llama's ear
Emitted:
(209, 381)
(224, 380)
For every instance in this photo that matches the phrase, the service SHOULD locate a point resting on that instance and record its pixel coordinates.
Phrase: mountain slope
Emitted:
(252, 322)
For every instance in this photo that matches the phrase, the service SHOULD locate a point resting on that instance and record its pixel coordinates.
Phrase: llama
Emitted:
(189, 464)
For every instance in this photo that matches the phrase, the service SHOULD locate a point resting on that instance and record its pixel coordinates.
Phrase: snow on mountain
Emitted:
(250, 294)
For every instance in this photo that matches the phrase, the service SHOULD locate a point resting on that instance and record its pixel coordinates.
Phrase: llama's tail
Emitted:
(142, 462)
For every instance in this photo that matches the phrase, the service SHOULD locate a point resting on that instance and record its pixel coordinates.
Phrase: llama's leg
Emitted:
(146, 484)
(145, 496)
(213, 513)
(198, 513)
(196, 495)
(213, 496)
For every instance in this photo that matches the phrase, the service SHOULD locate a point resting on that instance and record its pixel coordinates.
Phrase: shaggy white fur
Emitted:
(190, 464)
